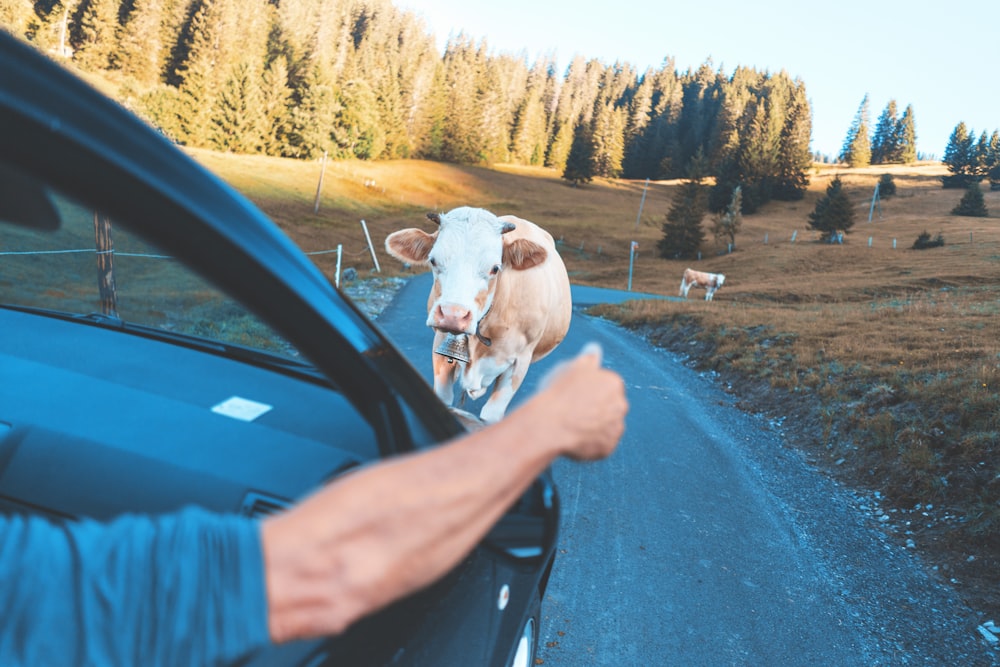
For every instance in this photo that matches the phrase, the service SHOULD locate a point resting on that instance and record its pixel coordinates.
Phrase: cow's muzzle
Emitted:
(452, 318)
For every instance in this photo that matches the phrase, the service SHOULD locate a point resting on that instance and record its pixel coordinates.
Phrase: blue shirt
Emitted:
(182, 589)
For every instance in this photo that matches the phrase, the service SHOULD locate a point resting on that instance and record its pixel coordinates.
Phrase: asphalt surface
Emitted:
(704, 540)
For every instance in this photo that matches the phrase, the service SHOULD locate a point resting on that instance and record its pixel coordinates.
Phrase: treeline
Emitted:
(969, 161)
(893, 140)
(362, 79)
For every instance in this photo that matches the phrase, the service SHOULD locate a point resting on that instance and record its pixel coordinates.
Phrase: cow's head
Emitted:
(467, 254)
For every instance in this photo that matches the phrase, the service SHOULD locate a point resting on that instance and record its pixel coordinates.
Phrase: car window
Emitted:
(90, 265)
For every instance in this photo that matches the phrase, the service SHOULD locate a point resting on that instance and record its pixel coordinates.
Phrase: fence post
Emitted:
(875, 199)
(631, 262)
(371, 248)
(105, 264)
(340, 252)
(794, 233)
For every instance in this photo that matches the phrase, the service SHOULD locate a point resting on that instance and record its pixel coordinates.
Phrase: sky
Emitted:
(939, 57)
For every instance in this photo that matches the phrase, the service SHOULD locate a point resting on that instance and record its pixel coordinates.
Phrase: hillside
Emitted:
(879, 362)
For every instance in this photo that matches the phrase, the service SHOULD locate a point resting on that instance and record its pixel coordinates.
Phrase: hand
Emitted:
(585, 405)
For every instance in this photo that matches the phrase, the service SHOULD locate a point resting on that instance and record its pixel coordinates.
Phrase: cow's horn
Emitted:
(435, 217)
(508, 227)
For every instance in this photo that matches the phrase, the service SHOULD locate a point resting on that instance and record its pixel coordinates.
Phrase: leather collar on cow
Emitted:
(483, 339)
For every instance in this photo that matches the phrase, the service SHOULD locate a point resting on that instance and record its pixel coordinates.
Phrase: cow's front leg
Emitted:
(444, 375)
(506, 385)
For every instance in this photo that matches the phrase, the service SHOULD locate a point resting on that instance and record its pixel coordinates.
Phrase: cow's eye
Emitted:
(495, 270)
(433, 262)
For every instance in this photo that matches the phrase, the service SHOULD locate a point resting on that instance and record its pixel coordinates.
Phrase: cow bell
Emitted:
(455, 347)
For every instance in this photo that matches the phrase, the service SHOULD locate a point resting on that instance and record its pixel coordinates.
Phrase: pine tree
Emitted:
(462, 136)
(660, 140)
(758, 154)
(16, 16)
(275, 98)
(959, 157)
(501, 87)
(682, 231)
(203, 71)
(981, 156)
(993, 161)
(639, 116)
(608, 135)
(529, 136)
(141, 50)
(418, 62)
(884, 139)
(701, 105)
(239, 124)
(357, 128)
(430, 118)
(906, 140)
(197, 95)
(313, 111)
(96, 38)
(580, 161)
(972, 203)
(834, 212)
(856, 151)
(794, 158)
(728, 224)
(575, 104)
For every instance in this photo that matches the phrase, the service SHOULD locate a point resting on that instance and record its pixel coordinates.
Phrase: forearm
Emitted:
(182, 589)
(394, 528)
(384, 532)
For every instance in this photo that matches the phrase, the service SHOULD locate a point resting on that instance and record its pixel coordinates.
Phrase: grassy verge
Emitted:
(895, 395)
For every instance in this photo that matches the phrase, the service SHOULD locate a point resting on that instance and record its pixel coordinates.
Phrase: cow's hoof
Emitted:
(455, 347)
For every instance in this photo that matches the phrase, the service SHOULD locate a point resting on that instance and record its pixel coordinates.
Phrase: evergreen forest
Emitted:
(363, 79)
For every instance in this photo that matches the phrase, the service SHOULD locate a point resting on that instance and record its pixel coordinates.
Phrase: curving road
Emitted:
(704, 541)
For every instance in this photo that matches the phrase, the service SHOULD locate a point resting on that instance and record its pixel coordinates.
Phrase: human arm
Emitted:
(390, 529)
(181, 589)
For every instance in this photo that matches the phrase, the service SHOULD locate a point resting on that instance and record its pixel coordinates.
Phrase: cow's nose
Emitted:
(453, 318)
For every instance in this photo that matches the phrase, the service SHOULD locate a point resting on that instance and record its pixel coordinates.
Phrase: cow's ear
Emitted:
(410, 245)
(435, 218)
(521, 254)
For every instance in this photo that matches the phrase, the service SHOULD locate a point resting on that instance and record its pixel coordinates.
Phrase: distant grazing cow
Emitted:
(500, 285)
(706, 281)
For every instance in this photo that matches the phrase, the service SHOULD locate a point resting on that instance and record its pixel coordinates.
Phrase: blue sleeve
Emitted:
(182, 589)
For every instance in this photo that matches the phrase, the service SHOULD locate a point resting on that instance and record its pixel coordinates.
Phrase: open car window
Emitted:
(59, 255)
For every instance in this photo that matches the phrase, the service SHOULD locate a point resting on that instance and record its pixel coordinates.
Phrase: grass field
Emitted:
(886, 359)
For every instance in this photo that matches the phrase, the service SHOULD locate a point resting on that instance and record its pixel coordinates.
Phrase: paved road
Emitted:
(704, 541)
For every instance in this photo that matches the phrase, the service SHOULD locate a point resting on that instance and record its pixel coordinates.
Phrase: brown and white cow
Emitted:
(706, 281)
(499, 283)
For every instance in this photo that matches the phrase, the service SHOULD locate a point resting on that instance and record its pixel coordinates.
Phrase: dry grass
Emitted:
(889, 357)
